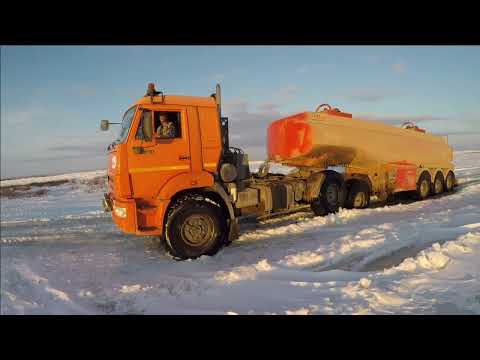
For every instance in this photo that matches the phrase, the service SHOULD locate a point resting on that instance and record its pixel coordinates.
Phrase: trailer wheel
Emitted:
(195, 228)
(450, 181)
(358, 196)
(424, 185)
(331, 198)
(438, 184)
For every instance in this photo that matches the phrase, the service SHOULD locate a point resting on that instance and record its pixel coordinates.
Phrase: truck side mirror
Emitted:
(104, 124)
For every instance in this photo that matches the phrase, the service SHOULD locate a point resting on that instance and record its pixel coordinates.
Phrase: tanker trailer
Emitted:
(379, 159)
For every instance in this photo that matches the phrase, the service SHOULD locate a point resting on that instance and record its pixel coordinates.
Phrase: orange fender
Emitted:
(185, 181)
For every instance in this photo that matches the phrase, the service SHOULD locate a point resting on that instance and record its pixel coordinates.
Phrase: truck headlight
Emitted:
(120, 212)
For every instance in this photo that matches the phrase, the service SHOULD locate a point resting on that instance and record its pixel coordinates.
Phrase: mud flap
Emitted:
(234, 231)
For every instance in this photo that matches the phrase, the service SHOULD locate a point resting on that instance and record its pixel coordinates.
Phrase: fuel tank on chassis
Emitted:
(320, 139)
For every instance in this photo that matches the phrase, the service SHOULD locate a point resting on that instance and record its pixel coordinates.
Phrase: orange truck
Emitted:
(193, 189)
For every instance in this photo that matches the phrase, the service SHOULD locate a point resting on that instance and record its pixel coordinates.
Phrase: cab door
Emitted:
(152, 162)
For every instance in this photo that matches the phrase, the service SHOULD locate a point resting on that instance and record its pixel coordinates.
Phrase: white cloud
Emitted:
(267, 107)
(398, 119)
(248, 129)
(235, 106)
(285, 94)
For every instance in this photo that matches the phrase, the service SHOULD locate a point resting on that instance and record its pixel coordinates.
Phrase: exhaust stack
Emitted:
(218, 99)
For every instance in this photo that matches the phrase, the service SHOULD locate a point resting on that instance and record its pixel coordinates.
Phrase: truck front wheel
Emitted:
(195, 228)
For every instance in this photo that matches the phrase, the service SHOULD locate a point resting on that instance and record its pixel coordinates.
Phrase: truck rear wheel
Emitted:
(331, 198)
(438, 184)
(358, 196)
(450, 181)
(195, 228)
(424, 185)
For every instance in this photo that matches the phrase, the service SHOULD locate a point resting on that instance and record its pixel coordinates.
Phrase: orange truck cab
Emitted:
(147, 174)
(172, 173)
(146, 171)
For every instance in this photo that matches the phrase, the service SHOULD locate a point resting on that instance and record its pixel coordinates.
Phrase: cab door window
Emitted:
(167, 124)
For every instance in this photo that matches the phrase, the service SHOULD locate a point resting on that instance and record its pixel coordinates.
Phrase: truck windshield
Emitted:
(126, 122)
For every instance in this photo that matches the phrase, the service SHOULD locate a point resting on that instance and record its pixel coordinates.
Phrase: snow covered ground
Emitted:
(88, 175)
(60, 254)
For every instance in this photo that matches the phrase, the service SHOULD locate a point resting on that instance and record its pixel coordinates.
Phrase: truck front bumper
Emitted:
(142, 221)
(124, 212)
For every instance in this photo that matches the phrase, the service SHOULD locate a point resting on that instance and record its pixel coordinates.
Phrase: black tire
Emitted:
(438, 184)
(318, 208)
(358, 196)
(331, 198)
(195, 228)
(450, 181)
(424, 186)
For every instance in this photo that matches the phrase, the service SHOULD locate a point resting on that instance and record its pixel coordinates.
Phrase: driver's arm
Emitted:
(170, 131)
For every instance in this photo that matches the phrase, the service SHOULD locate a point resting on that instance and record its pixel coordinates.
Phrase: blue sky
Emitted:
(53, 97)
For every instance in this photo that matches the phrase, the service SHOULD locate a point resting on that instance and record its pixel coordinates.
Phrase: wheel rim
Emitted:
(197, 230)
(438, 186)
(424, 188)
(359, 200)
(332, 194)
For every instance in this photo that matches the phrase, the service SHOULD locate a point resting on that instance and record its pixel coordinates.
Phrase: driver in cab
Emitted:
(166, 130)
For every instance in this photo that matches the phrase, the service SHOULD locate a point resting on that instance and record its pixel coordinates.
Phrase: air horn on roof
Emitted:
(151, 91)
